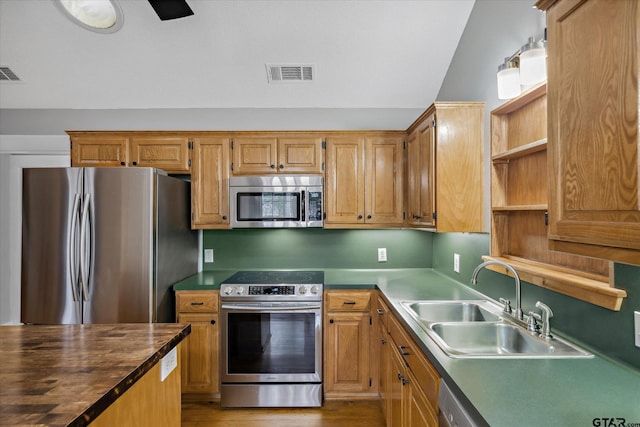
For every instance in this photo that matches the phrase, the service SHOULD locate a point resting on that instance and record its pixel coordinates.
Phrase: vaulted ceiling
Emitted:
(387, 54)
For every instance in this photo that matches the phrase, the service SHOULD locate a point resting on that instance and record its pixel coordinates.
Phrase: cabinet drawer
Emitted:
(382, 311)
(348, 300)
(196, 301)
(425, 373)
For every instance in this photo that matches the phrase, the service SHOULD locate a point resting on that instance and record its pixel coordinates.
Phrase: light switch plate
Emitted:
(456, 263)
(636, 322)
(382, 254)
(208, 255)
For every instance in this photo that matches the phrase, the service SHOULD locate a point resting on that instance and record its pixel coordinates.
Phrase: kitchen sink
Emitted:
(480, 329)
(452, 311)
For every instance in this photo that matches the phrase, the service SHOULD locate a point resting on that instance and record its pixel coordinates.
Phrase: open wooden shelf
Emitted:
(587, 287)
(519, 206)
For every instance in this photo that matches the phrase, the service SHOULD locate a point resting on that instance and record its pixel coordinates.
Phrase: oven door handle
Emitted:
(296, 307)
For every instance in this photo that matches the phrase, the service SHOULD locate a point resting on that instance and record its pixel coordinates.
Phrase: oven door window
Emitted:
(271, 343)
(269, 206)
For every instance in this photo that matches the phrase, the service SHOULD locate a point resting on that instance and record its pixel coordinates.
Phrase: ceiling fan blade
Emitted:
(171, 9)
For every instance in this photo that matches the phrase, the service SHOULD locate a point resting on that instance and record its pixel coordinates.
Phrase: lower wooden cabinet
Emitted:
(200, 350)
(348, 372)
(408, 382)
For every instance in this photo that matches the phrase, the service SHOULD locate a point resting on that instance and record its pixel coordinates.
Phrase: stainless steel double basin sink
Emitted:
(479, 329)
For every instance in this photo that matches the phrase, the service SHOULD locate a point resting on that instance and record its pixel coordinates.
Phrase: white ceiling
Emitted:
(388, 54)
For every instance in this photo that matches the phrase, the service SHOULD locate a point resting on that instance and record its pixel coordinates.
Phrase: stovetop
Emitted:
(276, 278)
(273, 285)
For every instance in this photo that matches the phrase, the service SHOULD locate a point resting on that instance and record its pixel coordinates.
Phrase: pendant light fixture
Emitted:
(101, 16)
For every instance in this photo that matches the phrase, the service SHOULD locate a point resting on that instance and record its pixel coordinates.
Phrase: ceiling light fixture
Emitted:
(526, 67)
(101, 16)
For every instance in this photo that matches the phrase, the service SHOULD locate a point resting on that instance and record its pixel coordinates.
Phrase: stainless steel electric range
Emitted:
(271, 336)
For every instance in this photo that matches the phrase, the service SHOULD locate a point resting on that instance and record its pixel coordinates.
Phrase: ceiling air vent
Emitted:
(289, 73)
(6, 75)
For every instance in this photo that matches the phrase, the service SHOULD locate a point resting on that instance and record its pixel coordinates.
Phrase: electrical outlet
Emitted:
(636, 321)
(208, 255)
(456, 263)
(382, 254)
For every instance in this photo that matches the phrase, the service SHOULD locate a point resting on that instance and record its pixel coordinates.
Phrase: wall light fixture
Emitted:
(526, 67)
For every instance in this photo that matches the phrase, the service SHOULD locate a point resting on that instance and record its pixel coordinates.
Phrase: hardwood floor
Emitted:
(332, 414)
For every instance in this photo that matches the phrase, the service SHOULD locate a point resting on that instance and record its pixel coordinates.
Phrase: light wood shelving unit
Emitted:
(519, 207)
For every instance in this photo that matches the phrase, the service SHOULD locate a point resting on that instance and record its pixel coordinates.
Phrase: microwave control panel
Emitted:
(315, 206)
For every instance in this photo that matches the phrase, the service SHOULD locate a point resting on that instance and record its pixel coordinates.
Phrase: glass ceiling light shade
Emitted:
(533, 62)
(509, 79)
(102, 16)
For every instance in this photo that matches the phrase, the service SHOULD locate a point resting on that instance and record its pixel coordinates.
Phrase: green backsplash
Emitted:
(609, 332)
(317, 248)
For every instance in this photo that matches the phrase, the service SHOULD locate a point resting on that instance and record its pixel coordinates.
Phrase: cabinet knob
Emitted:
(134, 163)
(213, 322)
(368, 216)
(273, 166)
(281, 166)
(359, 216)
(330, 320)
(121, 163)
(224, 217)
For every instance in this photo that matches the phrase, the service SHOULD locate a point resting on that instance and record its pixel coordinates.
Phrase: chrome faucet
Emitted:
(474, 281)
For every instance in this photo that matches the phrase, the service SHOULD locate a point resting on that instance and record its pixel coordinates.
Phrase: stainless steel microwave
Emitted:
(276, 201)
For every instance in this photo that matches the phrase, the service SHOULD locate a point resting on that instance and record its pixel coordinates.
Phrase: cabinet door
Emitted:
(347, 352)
(383, 180)
(385, 369)
(418, 411)
(594, 148)
(344, 180)
(168, 153)
(210, 183)
(421, 174)
(254, 156)
(396, 389)
(89, 151)
(199, 353)
(300, 155)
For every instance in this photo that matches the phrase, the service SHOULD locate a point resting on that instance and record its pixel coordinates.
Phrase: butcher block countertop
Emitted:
(64, 375)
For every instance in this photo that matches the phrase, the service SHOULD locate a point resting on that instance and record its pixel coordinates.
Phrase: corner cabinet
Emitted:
(520, 207)
(594, 145)
(210, 183)
(200, 350)
(163, 150)
(348, 373)
(444, 168)
(268, 153)
(364, 180)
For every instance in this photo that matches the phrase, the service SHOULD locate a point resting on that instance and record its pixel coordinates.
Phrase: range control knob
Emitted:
(240, 290)
(302, 289)
(314, 289)
(228, 290)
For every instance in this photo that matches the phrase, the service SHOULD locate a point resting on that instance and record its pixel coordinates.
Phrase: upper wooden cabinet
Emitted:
(210, 182)
(364, 180)
(594, 149)
(444, 168)
(267, 153)
(160, 150)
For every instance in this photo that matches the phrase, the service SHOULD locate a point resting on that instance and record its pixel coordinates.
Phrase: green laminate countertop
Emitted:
(501, 392)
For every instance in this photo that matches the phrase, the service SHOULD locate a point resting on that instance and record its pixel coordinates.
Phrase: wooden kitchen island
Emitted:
(98, 375)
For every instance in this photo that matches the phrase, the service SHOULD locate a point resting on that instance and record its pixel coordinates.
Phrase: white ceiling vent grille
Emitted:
(6, 75)
(289, 73)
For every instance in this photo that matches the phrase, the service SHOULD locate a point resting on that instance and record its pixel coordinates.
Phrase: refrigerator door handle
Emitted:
(73, 264)
(84, 257)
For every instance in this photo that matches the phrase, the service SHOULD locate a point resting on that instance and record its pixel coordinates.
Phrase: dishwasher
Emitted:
(452, 413)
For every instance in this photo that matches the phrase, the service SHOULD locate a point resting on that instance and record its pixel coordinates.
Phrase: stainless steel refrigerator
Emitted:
(104, 245)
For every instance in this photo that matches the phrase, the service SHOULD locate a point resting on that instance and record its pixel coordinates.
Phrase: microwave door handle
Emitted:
(303, 205)
(270, 308)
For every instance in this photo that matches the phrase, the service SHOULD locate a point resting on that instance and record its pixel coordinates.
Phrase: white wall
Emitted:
(17, 152)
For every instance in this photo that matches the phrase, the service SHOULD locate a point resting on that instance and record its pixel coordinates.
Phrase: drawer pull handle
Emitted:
(402, 350)
(349, 302)
(380, 311)
(197, 303)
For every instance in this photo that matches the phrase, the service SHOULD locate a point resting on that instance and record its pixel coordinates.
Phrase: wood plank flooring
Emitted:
(332, 414)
